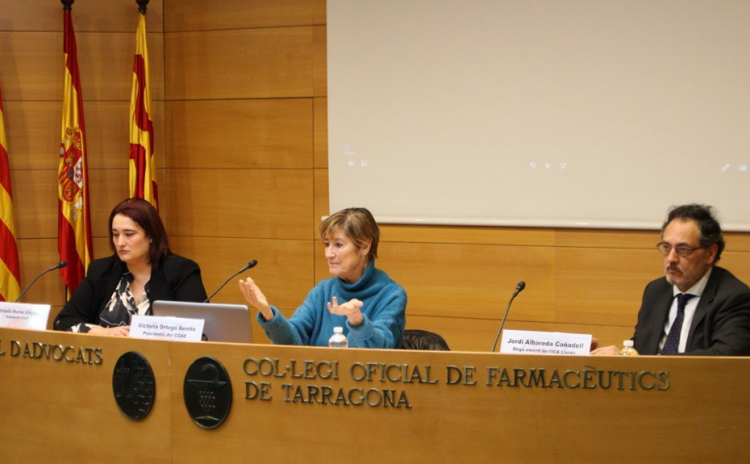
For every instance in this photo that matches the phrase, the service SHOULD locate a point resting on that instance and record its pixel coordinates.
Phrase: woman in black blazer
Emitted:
(142, 270)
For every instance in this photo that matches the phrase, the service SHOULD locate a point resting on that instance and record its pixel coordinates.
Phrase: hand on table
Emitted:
(606, 351)
(119, 331)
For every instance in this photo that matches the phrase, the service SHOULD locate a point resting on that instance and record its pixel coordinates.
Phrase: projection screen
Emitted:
(575, 113)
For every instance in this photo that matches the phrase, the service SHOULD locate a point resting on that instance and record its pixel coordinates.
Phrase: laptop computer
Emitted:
(222, 322)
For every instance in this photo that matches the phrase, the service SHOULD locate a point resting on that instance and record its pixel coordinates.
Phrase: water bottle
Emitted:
(338, 340)
(627, 349)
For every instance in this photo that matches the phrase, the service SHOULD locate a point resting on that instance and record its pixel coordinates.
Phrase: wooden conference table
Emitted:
(322, 405)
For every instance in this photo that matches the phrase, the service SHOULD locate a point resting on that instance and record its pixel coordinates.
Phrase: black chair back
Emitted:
(423, 340)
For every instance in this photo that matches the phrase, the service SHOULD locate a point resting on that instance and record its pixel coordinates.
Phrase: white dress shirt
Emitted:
(690, 308)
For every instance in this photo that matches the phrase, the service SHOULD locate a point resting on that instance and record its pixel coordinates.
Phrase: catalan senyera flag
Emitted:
(10, 271)
(74, 226)
(142, 159)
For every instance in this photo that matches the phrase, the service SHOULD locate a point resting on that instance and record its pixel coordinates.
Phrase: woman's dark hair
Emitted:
(707, 224)
(147, 218)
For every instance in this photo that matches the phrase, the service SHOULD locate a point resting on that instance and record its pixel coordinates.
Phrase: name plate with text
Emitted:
(556, 343)
(24, 315)
(167, 328)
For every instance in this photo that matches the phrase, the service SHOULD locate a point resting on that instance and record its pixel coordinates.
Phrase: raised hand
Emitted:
(350, 309)
(256, 298)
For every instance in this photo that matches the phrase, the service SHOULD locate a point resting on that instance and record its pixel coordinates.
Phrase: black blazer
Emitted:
(177, 279)
(720, 326)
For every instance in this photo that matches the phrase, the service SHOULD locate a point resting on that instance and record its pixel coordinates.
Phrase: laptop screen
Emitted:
(222, 322)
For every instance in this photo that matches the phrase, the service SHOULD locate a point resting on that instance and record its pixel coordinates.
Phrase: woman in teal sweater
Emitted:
(360, 298)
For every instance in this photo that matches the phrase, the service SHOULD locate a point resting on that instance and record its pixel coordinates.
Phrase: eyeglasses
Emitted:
(682, 251)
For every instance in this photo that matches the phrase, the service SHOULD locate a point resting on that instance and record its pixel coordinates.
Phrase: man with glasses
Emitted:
(698, 308)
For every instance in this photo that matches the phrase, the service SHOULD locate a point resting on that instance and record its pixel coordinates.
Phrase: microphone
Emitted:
(59, 265)
(519, 288)
(247, 266)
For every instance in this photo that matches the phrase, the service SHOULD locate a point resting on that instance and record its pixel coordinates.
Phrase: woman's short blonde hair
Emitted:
(358, 224)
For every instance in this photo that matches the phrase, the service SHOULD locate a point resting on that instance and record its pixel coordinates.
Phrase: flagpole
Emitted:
(142, 162)
(74, 226)
(142, 5)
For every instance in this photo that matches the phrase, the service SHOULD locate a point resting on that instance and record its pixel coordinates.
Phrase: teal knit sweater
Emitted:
(384, 312)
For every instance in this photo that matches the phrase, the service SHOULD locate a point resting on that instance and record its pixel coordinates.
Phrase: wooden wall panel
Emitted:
(319, 12)
(602, 286)
(31, 65)
(471, 281)
(196, 15)
(521, 236)
(320, 61)
(320, 132)
(263, 148)
(35, 208)
(108, 188)
(35, 204)
(107, 59)
(321, 201)
(738, 263)
(102, 247)
(108, 137)
(605, 286)
(33, 130)
(38, 255)
(240, 203)
(284, 271)
(600, 238)
(645, 239)
(257, 134)
(737, 241)
(35, 200)
(111, 15)
(245, 63)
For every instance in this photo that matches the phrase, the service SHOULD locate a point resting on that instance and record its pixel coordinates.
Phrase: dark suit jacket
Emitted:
(720, 327)
(177, 279)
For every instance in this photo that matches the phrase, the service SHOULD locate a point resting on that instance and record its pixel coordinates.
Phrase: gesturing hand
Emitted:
(350, 309)
(256, 298)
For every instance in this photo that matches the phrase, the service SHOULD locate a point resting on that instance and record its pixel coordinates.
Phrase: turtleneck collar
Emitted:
(363, 282)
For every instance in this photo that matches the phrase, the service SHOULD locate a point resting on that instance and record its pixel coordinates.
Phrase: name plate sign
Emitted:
(557, 343)
(24, 316)
(167, 328)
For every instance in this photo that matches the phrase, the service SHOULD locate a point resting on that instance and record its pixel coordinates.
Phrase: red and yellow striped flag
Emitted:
(10, 271)
(74, 227)
(142, 159)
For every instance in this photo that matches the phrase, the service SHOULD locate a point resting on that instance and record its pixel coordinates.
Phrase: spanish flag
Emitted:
(74, 227)
(10, 271)
(142, 159)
